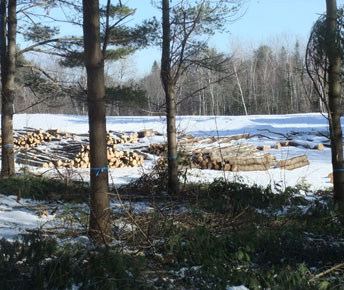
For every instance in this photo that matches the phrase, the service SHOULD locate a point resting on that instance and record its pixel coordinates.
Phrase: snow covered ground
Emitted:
(305, 128)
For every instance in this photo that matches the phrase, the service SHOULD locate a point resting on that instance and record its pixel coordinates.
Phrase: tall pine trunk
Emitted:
(8, 68)
(169, 89)
(334, 96)
(99, 229)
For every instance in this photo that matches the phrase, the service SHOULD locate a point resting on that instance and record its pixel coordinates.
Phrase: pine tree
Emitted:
(183, 27)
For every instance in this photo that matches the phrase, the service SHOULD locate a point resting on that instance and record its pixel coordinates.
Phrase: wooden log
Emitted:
(264, 147)
(296, 165)
(133, 163)
(305, 145)
(30, 162)
(252, 167)
(330, 176)
(277, 146)
(247, 161)
(145, 133)
(238, 137)
(227, 167)
(292, 160)
(229, 152)
(217, 166)
(58, 163)
(53, 131)
(319, 147)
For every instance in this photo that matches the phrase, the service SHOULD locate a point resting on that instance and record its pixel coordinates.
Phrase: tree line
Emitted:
(265, 80)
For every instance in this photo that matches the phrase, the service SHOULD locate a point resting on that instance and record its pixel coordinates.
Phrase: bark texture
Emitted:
(169, 84)
(99, 229)
(334, 99)
(8, 67)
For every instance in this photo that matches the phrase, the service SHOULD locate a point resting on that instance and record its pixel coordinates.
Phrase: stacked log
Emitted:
(122, 139)
(56, 133)
(254, 163)
(116, 159)
(235, 157)
(31, 139)
(304, 145)
(157, 149)
(235, 162)
(75, 154)
(36, 157)
(145, 133)
(230, 152)
(294, 162)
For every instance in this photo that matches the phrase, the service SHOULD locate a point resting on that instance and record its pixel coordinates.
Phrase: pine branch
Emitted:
(31, 47)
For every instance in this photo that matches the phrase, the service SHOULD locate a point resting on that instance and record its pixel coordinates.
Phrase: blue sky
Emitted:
(263, 20)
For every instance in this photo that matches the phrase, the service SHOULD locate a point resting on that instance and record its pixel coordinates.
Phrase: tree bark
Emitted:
(240, 88)
(99, 229)
(334, 96)
(8, 60)
(169, 85)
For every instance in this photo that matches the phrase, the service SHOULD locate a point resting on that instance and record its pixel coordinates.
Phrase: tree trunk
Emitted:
(240, 88)
(169, 86)
(334, 96)
(8, 60)
(99, 230)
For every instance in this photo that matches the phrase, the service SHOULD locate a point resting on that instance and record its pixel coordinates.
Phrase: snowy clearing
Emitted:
(16, 218)
(304, 129)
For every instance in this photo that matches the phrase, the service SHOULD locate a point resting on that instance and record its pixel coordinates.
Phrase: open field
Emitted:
(302, 131)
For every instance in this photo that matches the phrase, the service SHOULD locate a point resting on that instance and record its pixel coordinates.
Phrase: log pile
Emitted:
(212, 153)
(116, 159)
(70, 153)
(304, 145)
(34, 156)
(121, 138)
(234, 158)
(58, 134)
(294, 162)
(159, 149)
(31, 139)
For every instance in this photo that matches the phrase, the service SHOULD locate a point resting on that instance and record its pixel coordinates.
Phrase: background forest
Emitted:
(265, 80)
